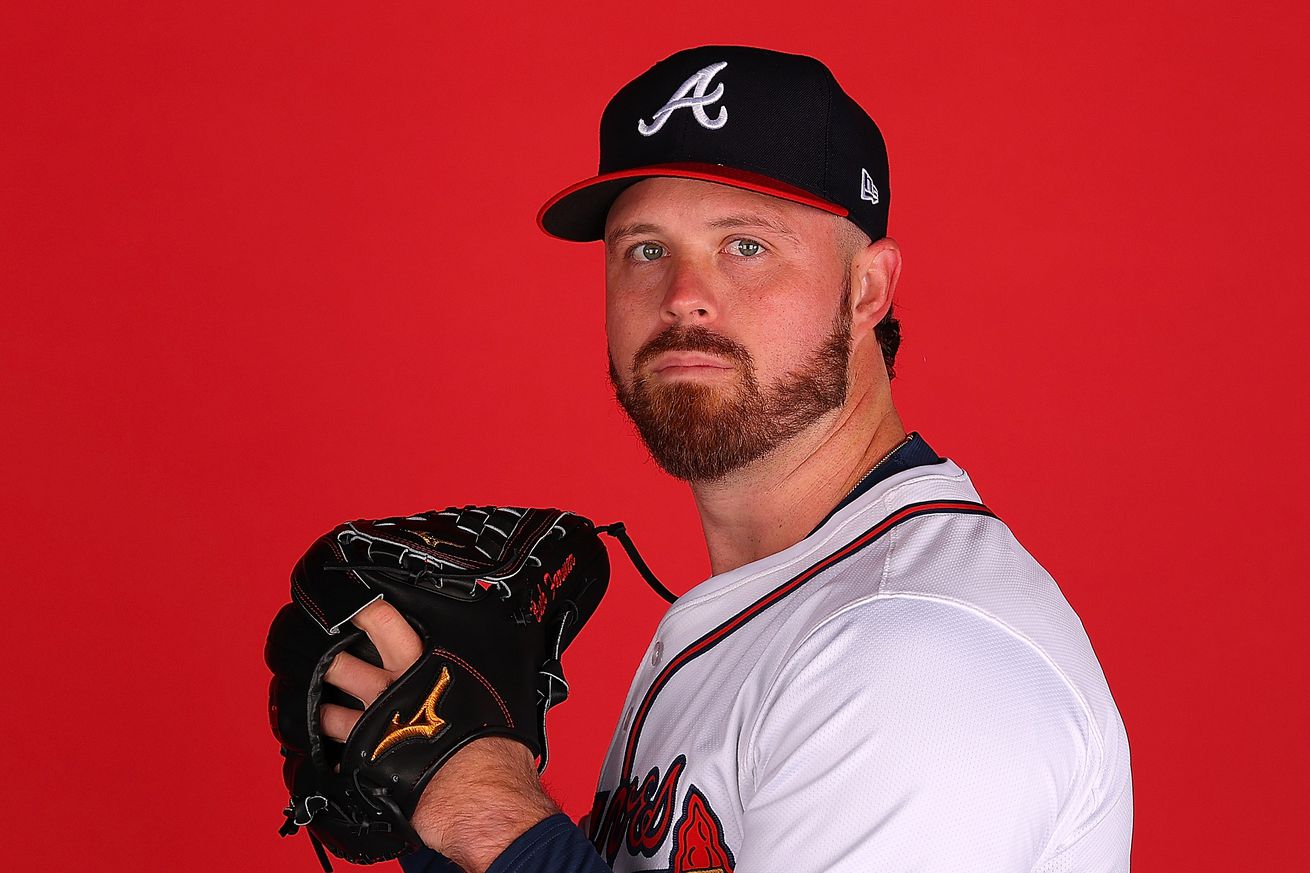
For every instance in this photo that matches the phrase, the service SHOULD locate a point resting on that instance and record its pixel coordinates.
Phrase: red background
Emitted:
(266, 269)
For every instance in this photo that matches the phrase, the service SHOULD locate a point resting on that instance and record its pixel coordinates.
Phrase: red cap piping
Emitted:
(707, 173)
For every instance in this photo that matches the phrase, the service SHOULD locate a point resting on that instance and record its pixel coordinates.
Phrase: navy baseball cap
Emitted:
(747, 117)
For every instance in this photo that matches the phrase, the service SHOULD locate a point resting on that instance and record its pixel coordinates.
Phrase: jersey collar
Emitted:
(914, 452)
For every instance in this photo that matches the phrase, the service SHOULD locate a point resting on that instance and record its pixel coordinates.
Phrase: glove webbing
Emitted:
(616, 530)
(466, 589)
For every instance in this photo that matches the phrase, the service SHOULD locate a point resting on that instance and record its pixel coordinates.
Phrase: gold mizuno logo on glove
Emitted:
(425, 724)
(432, 540)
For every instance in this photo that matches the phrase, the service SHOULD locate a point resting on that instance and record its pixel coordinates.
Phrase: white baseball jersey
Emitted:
(904, 689)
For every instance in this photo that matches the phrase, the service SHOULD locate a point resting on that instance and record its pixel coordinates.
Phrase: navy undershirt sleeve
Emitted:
(428, 861)
(553, 845)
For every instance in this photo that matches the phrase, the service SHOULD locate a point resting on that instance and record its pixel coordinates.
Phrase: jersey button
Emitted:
(657, 653)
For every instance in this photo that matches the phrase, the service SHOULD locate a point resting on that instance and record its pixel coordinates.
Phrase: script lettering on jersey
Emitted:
(638, 818)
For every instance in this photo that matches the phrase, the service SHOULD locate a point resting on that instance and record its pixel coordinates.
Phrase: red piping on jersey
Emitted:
(720, 633)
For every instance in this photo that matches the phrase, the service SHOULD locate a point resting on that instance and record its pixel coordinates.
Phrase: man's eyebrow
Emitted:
(746, 220)
(629, 230)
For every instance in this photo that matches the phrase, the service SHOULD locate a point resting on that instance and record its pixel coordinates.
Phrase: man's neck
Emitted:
(777, 500)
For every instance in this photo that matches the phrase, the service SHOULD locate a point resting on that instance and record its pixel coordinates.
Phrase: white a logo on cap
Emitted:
(868, 190)
(696, 86)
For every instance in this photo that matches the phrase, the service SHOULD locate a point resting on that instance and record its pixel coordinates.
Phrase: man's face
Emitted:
(728, 322)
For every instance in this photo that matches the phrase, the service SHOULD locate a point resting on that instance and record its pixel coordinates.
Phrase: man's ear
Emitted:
(875, 269)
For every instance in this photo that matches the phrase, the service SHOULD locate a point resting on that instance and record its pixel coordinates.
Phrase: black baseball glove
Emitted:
(495, 593)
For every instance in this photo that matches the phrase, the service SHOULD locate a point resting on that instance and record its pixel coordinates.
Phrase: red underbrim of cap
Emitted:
(578, 212)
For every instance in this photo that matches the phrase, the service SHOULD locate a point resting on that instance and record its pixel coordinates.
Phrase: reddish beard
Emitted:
(702, 432)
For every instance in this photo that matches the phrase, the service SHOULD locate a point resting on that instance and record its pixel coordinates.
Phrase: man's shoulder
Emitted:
(927, 533)
(970, 563)
(941, 700)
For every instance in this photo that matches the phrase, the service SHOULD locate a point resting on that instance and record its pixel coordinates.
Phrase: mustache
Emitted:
(692, 338)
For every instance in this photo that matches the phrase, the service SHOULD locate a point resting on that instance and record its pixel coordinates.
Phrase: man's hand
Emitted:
(484, 797)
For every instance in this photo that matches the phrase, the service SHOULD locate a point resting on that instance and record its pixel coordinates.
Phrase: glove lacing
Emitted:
(620, 533)
(299, 814)
(553, 688)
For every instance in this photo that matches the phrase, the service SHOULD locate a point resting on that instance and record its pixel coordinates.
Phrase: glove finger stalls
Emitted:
(294, 644)
(289, 725)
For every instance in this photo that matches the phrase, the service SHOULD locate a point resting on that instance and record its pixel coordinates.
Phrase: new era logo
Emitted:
(868, 190)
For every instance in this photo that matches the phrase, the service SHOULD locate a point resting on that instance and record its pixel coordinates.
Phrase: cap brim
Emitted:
(578, 212)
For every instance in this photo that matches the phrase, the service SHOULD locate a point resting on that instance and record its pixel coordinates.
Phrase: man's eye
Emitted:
(648, 251)
(747, 247)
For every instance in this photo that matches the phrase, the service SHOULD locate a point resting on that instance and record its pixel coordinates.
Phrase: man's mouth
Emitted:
(675, 363)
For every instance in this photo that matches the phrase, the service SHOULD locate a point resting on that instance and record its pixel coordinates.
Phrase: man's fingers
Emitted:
(337, 721)
(357, 678)
(395, 640)
(399, 647)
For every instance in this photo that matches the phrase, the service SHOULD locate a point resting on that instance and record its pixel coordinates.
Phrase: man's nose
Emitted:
(688, 299)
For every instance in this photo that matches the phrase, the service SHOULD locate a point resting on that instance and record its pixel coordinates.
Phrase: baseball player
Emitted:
(877, 676)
